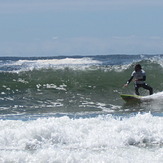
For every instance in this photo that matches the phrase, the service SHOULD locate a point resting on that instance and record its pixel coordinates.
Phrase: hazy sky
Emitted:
(80, 27)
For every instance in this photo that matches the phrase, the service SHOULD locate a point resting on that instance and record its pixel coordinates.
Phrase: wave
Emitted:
(28, 64)
(97, 139)
(77, 73)
(68, 109)
(72, 84)
(31, 64)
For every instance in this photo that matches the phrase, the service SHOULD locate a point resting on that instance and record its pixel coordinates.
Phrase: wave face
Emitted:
(71, 84)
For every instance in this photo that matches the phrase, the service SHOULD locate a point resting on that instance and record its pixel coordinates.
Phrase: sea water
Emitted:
(68, 109)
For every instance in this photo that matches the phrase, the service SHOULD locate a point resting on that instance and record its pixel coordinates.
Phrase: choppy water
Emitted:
(68, 109)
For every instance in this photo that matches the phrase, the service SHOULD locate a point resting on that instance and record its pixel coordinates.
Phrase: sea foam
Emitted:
(98, 139)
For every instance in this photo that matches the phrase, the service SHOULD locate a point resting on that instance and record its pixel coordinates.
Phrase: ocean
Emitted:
(68, 109)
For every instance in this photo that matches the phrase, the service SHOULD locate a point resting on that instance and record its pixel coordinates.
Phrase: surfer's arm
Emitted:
(128, 81)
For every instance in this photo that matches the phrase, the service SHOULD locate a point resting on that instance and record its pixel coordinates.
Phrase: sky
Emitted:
(80, 27)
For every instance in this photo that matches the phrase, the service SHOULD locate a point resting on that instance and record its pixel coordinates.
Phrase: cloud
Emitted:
(55, 37)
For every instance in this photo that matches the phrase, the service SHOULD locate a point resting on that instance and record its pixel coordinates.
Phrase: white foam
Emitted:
(155, 96)
(99, 139)
(117, 68)
(157, 59)
(156, 101)
(53, 63)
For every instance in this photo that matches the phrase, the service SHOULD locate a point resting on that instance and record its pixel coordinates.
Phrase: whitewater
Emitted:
(69, 109)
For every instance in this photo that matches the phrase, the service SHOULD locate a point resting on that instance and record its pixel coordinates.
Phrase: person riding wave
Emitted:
(139, 77)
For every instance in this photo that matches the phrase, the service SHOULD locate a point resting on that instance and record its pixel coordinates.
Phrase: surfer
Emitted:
(139, 77)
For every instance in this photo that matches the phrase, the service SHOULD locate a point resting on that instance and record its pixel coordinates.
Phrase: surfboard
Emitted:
(131, 98)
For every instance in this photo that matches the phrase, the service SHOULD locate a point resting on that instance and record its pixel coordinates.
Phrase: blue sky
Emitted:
(80, 27)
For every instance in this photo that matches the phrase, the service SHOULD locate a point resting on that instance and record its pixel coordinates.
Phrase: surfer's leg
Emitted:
(146, 86)
(137, 89)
